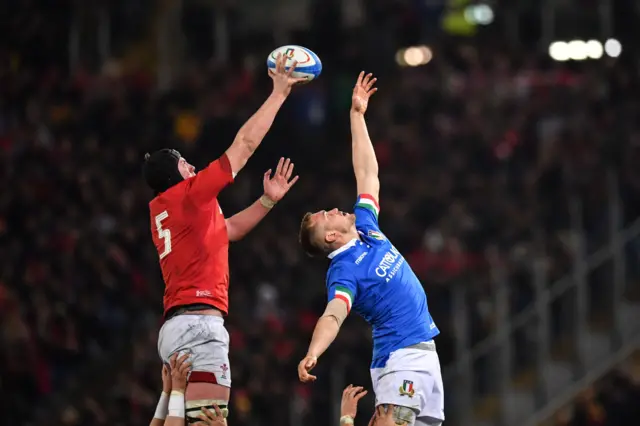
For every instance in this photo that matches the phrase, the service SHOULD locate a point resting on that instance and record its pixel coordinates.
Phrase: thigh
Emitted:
(205, 339)
(419, 390)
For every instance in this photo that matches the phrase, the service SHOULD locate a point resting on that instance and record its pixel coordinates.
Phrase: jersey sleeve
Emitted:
(341, 284)
(207, 184)
(366, 210)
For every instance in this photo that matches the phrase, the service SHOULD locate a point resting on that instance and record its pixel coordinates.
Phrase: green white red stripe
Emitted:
(367, 201)
(344, 294)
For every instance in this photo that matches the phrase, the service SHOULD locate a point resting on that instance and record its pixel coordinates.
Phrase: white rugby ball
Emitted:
(308, 67)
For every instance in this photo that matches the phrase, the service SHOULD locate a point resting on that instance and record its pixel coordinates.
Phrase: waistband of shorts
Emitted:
(424, 346)
(186, 309)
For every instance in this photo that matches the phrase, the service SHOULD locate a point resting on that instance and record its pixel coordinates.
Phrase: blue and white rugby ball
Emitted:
(309, 65)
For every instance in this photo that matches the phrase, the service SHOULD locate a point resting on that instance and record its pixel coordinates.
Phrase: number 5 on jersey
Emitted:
(163, 234)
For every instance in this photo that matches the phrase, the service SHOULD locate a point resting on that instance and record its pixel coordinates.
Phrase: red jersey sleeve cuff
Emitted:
(225, 165)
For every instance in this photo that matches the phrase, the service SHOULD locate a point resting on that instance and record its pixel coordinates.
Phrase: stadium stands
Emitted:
(476, 151)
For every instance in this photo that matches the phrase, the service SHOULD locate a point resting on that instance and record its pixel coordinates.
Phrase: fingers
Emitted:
(360, 394)
(280, 63)
(267, 175)
(279, 168)
(207, 413)
(172, 361)
(347, 389)
(360, 77)
(293, 181)
(292, 68)
(218, 410)
(289, 168)
(369, 81)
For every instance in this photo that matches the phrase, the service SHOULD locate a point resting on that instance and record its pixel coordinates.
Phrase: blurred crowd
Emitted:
(480, 154)
(610, 402)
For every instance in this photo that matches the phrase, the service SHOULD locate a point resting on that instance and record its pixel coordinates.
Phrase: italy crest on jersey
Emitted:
(407, 388)
(376, 234)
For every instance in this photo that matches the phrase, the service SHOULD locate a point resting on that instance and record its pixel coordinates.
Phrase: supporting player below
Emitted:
(192, 238)
(369, 274)
(170, 409)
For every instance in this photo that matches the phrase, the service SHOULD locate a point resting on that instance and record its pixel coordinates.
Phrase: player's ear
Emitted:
(330, 237)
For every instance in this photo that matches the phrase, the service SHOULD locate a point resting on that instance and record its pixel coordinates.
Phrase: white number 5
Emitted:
(163, 234)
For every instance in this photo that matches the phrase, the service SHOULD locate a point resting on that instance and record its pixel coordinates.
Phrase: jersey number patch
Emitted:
(163, 234)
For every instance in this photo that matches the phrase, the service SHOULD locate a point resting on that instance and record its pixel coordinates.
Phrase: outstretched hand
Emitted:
(277, 186)
(350, 397)
(305, 366)
(362, 92)
(282, 79)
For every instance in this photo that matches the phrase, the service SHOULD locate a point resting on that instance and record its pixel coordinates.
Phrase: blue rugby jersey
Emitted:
(371, 276)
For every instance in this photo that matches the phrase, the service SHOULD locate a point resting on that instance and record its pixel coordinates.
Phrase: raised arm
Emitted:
(342, 290)
(365, 164)
(275, 188)
(254, 130)
(206, 185)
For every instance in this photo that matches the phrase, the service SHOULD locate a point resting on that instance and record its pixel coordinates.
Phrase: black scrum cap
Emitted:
(160, 169)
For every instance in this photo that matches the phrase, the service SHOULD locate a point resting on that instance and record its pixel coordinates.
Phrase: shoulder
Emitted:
(339, 270)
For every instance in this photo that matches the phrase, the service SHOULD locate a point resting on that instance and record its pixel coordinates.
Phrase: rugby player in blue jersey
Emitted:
(368, 274)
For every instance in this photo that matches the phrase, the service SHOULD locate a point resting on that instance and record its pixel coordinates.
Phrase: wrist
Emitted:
(267, 202)
(163, 406)
(346, 420)
(278, 95)
(176, 404)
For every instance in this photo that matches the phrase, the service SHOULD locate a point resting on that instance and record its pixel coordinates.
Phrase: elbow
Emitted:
(248, 142)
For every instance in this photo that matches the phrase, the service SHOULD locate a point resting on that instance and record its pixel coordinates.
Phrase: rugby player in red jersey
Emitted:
(192, 238)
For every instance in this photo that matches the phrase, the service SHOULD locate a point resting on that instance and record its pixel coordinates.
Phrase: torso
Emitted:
(193, 253)
(389, 295)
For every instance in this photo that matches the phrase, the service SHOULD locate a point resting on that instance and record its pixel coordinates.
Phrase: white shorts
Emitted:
(202, 336)
(412, 378)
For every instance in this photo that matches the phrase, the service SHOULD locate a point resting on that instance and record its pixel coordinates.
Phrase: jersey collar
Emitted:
(342, 249)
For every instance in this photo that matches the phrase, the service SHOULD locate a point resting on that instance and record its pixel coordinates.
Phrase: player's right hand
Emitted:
(362, 91)
(282, 80)
(382, 418)
(210, 418)
(350, 397)
(180, 369)
(305, 366)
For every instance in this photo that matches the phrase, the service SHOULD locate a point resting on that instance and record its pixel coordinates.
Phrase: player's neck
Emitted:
(346, 238)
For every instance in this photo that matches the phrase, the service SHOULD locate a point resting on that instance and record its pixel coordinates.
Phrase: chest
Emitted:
(380, 262)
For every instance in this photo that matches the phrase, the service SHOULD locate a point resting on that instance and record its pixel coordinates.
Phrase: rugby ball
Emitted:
(308, 67)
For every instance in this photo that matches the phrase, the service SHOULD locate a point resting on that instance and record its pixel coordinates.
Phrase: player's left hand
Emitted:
(277, 186)
(166, 379)
(210, 418)
(350, 397)
(305, 366)
(362, 91)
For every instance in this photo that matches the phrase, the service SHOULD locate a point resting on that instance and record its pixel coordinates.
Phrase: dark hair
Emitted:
(160, 169)
(306, 237)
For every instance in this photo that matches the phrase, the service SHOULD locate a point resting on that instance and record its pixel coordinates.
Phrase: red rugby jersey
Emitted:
(189, 232)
